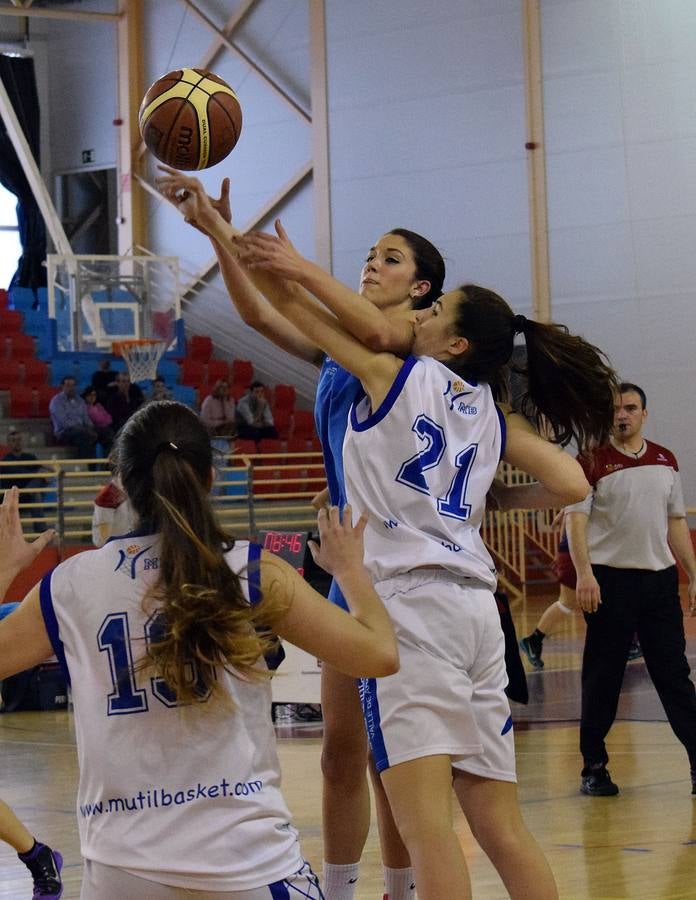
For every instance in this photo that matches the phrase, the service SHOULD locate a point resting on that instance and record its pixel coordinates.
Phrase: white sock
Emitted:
(399, 884)
(339, 881)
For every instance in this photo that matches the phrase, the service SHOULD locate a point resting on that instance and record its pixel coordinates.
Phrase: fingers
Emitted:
(280, 231)
(42, 541)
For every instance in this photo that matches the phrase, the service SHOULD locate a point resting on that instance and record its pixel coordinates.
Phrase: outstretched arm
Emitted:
(277, 255)
(212, 218)
(361, 643)
(24, 641)
(560, 478)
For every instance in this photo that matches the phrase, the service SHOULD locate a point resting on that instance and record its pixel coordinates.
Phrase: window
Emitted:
(10, 246)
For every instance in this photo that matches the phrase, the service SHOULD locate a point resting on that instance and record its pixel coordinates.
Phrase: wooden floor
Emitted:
(641, 844)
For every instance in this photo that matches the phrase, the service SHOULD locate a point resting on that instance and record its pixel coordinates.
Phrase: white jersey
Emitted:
(421, 466)
(185, 796)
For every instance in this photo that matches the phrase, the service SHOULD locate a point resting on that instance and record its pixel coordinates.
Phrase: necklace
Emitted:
(635, 453)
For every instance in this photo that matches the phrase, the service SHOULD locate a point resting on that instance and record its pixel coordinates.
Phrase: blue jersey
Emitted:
(337, 390)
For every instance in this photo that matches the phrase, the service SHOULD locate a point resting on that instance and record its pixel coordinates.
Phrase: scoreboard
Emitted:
(298, 677)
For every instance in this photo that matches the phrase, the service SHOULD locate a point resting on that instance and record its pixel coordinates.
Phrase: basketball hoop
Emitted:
(141, 356)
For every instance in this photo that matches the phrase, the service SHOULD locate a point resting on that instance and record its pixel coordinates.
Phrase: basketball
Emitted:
(190, 119)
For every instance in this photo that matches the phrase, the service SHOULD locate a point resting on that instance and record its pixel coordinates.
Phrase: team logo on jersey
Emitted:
(612, 467)
(454, 391)
(129, 557)
(661, 457)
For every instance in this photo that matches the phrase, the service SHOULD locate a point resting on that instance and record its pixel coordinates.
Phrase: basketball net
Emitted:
(142, 357)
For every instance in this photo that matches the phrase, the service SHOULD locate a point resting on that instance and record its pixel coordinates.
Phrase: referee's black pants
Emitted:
(647, 603)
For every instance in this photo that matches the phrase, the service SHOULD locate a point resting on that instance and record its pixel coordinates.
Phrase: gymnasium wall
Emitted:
(427, 131)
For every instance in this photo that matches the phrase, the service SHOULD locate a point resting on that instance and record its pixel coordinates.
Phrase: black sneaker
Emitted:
(532, 650)
(45, 865)
(635, 651)
(598, 783)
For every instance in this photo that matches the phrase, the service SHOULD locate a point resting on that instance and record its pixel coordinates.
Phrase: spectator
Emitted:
(103, 378)
(22, 476)
(122, 400)
(159, 391)
(101, 419)
(70, 419)
(113, 515)
(254, 417)
(218, 411)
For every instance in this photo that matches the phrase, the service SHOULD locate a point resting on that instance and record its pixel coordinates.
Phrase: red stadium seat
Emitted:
(22, 346)
(9, 374)
(270, 445)
(21, 402)
(244, 446)
(199, 347)
(284, 397)
(242, 372)
(303, 424)
(282, 419)
(10, 321)
(218, 369)
(35, 372)
(192, 372)
(44, 394)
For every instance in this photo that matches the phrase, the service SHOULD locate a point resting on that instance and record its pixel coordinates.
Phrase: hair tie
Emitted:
(519, 323)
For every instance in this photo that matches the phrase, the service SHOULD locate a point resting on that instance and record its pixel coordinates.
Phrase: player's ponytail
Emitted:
(570, 385)
(164, 459)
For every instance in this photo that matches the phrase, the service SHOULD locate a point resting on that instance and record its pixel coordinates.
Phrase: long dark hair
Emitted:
(570, 385)
(430, 266)
(164, 459)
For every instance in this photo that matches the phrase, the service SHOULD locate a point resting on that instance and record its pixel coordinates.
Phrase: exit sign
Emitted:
(87, 156)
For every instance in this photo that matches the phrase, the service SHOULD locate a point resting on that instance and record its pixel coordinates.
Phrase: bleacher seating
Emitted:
(22, 402)
(284, 397)
(10, 374)
(44, 395)
(184, 393)
(218, 369)
(192, 372)
(35, 372)
(282, 419)
(199, 347)
(10, 321)
(242, 372)
(303, 424)
(21, 346)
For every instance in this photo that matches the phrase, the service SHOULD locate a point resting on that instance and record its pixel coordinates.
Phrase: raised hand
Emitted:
(273, 254)
(341, 549)
(17, 553)
(189, 196)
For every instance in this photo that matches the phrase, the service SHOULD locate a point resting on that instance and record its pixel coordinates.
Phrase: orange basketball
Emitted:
(190, 119)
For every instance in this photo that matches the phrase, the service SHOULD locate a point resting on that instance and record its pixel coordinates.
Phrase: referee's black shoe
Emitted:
(596, 782)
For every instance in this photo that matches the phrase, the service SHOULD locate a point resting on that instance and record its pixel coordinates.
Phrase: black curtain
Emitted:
(17, 74)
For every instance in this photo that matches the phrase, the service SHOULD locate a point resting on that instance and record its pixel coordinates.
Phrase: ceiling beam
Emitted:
(275, 87)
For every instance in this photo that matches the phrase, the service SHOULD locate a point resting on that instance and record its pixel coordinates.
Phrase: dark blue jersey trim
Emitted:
(51, 622)
(503, 430)
(254, 572)
(376, 417)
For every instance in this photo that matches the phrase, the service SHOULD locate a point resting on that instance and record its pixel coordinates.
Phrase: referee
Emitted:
(623, 539)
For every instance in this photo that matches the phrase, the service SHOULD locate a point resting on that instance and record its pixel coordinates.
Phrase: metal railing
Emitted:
(260, 492)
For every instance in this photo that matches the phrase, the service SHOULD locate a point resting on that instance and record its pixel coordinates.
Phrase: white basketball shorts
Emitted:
(448, 696)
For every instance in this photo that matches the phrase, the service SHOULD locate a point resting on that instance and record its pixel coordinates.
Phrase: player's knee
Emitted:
(344, 762)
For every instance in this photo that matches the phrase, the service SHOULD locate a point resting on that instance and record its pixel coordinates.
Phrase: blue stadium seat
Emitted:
(184, 394)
